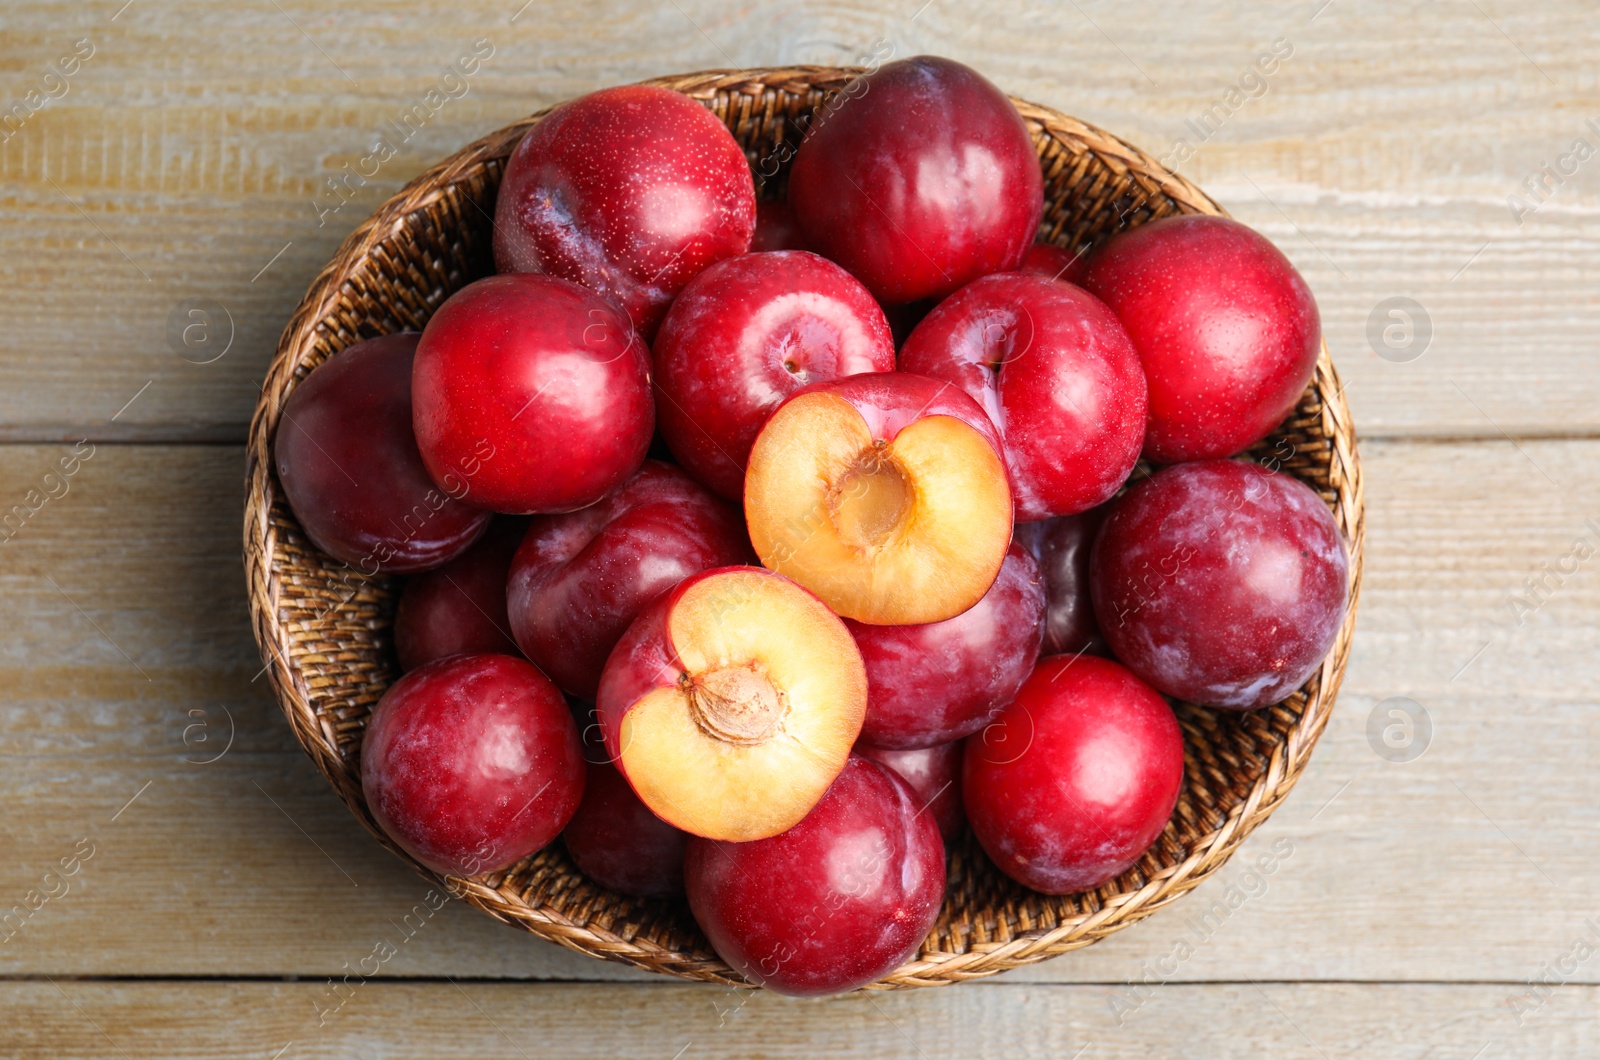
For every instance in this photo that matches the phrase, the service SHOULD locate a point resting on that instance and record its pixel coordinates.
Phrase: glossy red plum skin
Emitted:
(350, 468)
(472, 763)
(918, 178)
(580, 578)
(745, 334)
(629, 191)
(838, 900)
(617, 842)
(1220, 582)
(1062, 546)
(1227, 330)
(461, 606)
(1057, 374)
(935, 683)
(1075, 780)
(934, 774)
(534, 391)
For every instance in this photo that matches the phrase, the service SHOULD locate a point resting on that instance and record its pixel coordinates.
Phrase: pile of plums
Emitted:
(758, 549)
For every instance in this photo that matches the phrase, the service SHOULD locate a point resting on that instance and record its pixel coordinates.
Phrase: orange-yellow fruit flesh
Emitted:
(903, 532)
(774, 698)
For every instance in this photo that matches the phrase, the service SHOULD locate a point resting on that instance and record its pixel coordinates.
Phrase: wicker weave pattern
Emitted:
(324, 630)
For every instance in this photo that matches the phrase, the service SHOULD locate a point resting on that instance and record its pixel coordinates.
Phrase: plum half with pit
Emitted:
(883, 493)
(843, 897)
(732, 702)
(1220, 582)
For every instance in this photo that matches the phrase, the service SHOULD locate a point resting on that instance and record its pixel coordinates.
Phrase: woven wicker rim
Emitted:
(323, 632)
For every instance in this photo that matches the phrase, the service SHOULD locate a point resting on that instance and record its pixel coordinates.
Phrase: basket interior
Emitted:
(332, 625)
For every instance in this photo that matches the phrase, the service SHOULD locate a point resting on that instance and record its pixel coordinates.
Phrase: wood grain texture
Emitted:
(126, 614)
(298, 1021)
(182, 167)
(183, 159)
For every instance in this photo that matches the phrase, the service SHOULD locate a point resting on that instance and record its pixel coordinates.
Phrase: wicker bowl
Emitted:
(324, 630)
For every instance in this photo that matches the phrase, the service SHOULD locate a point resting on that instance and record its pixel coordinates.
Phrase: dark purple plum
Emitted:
(620, 844)
(351, 470)
(1061, 546)
(1220, 582)
(461, 606)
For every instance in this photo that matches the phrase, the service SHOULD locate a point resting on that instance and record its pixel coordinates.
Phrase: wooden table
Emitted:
(185, 885)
